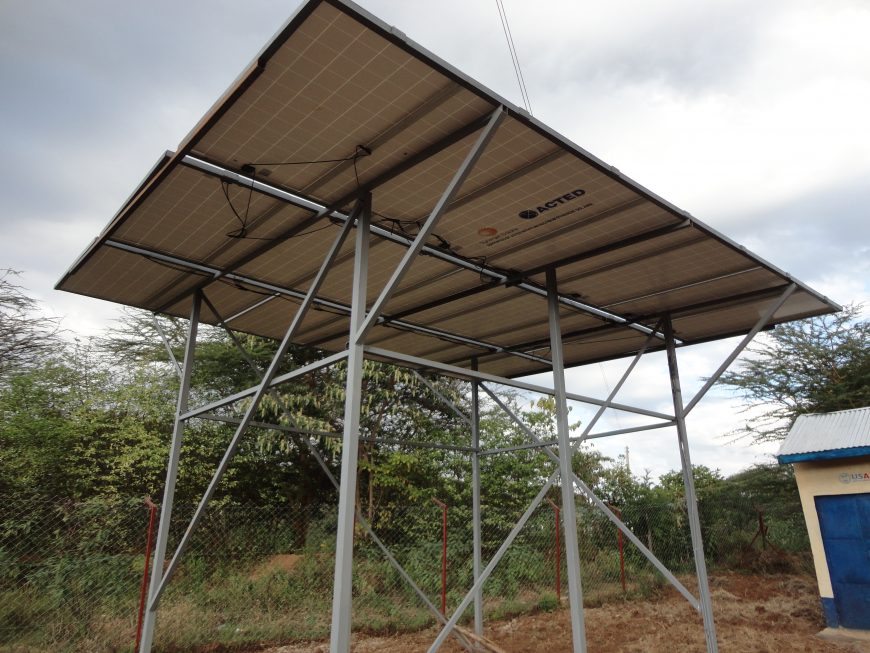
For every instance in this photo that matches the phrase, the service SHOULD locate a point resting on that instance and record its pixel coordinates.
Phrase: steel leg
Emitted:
(569, 510)
(475, 502)
(691, 499)
(171, 476)
(341, 593)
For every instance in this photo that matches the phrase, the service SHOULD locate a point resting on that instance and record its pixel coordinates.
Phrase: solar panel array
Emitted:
(340, 104)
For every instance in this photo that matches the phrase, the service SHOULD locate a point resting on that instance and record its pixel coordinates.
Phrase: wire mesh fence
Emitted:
(70, 573)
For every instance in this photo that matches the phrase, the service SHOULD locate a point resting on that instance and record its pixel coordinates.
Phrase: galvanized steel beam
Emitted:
(762, 322)
(169, 353)
(566, 473)
(604, 508)
(485, 574)
(440, 208)
(467, 374)
(476, 536)
(278, 380)
(706, 603)
(444, 399)
(339, 641)
(260, 392)
(290, 293)
(171, 477)
(501, 277)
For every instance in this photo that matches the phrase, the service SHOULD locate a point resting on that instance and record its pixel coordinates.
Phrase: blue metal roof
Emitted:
(826, 436)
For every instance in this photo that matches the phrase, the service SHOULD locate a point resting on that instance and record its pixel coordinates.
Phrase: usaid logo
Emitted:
(530, 214)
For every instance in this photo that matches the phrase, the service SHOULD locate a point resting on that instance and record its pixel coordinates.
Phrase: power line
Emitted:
(515, 59)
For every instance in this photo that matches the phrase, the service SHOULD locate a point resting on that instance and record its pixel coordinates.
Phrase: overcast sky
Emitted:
(750, 115)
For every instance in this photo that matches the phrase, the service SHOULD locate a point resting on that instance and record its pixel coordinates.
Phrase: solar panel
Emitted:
(339, 104)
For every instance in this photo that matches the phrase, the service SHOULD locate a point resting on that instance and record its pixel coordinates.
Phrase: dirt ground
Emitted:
(754, 614)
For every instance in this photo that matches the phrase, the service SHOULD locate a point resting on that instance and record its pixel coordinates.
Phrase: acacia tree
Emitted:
(817, 365)
(396, 406)
(25, 336)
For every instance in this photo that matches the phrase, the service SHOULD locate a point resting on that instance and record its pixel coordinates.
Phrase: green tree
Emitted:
(71, 429)
(25, 335)
(817, 365)
(397, 406)
(708, 482)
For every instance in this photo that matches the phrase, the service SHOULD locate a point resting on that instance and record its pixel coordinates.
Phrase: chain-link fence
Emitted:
(70, 573)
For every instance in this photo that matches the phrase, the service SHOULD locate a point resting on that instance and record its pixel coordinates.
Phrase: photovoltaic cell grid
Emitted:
(339, 104)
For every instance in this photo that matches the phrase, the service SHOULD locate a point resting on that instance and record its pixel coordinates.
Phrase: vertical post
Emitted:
(475, 501)
(341, 593)
(557, 548)
(569, 510)
(149, 540)
(620, 547)
(443, 507)
(706, 603)
(171, 477)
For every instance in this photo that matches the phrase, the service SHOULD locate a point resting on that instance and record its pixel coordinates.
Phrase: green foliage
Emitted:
(26, 336)
(84, 435)
(813, 366)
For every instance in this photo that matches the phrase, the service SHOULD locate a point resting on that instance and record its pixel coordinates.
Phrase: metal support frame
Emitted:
(361, 322)
(499, 277)
(762, 322)
(169, 353)
(260, 392)
(569, 508)
(587, 491)
(341, 592)
(361, 520)
(407, 360)
(440, 208)
(277, 380)
(485, 574)
(445, 400)
(243, 281)
(171, 476)
(476, 535)
(691, 498)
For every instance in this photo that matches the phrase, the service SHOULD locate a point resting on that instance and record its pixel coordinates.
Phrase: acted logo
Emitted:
(529, 214)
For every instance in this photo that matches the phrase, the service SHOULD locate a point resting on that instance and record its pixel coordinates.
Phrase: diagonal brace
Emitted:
(603, 507)
(607, 402)
(169, 353)
(439, 210)
(485, 574)
(326, 470)
(762, 322)
(262, 389)
(446, 400)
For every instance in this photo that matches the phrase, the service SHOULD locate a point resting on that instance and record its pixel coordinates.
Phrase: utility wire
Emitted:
(515, 59)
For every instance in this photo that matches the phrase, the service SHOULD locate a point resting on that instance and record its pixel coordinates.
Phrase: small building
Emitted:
(831, 457)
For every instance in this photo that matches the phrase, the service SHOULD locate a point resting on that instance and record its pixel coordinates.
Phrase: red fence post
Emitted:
(618, 513)
(558, 550)
(152, 509)
(443, 554)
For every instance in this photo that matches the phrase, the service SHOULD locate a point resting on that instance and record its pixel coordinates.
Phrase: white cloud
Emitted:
(750, 115)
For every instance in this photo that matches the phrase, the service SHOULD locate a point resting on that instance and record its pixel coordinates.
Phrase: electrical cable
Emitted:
(515, 59)
(251, 168)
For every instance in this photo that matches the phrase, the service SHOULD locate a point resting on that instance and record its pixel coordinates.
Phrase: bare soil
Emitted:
(283, 562)
(754, 614)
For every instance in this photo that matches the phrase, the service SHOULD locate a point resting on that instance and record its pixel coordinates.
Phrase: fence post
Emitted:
(443, 507)
(558, 550)
(618, 513)
(152, 510)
